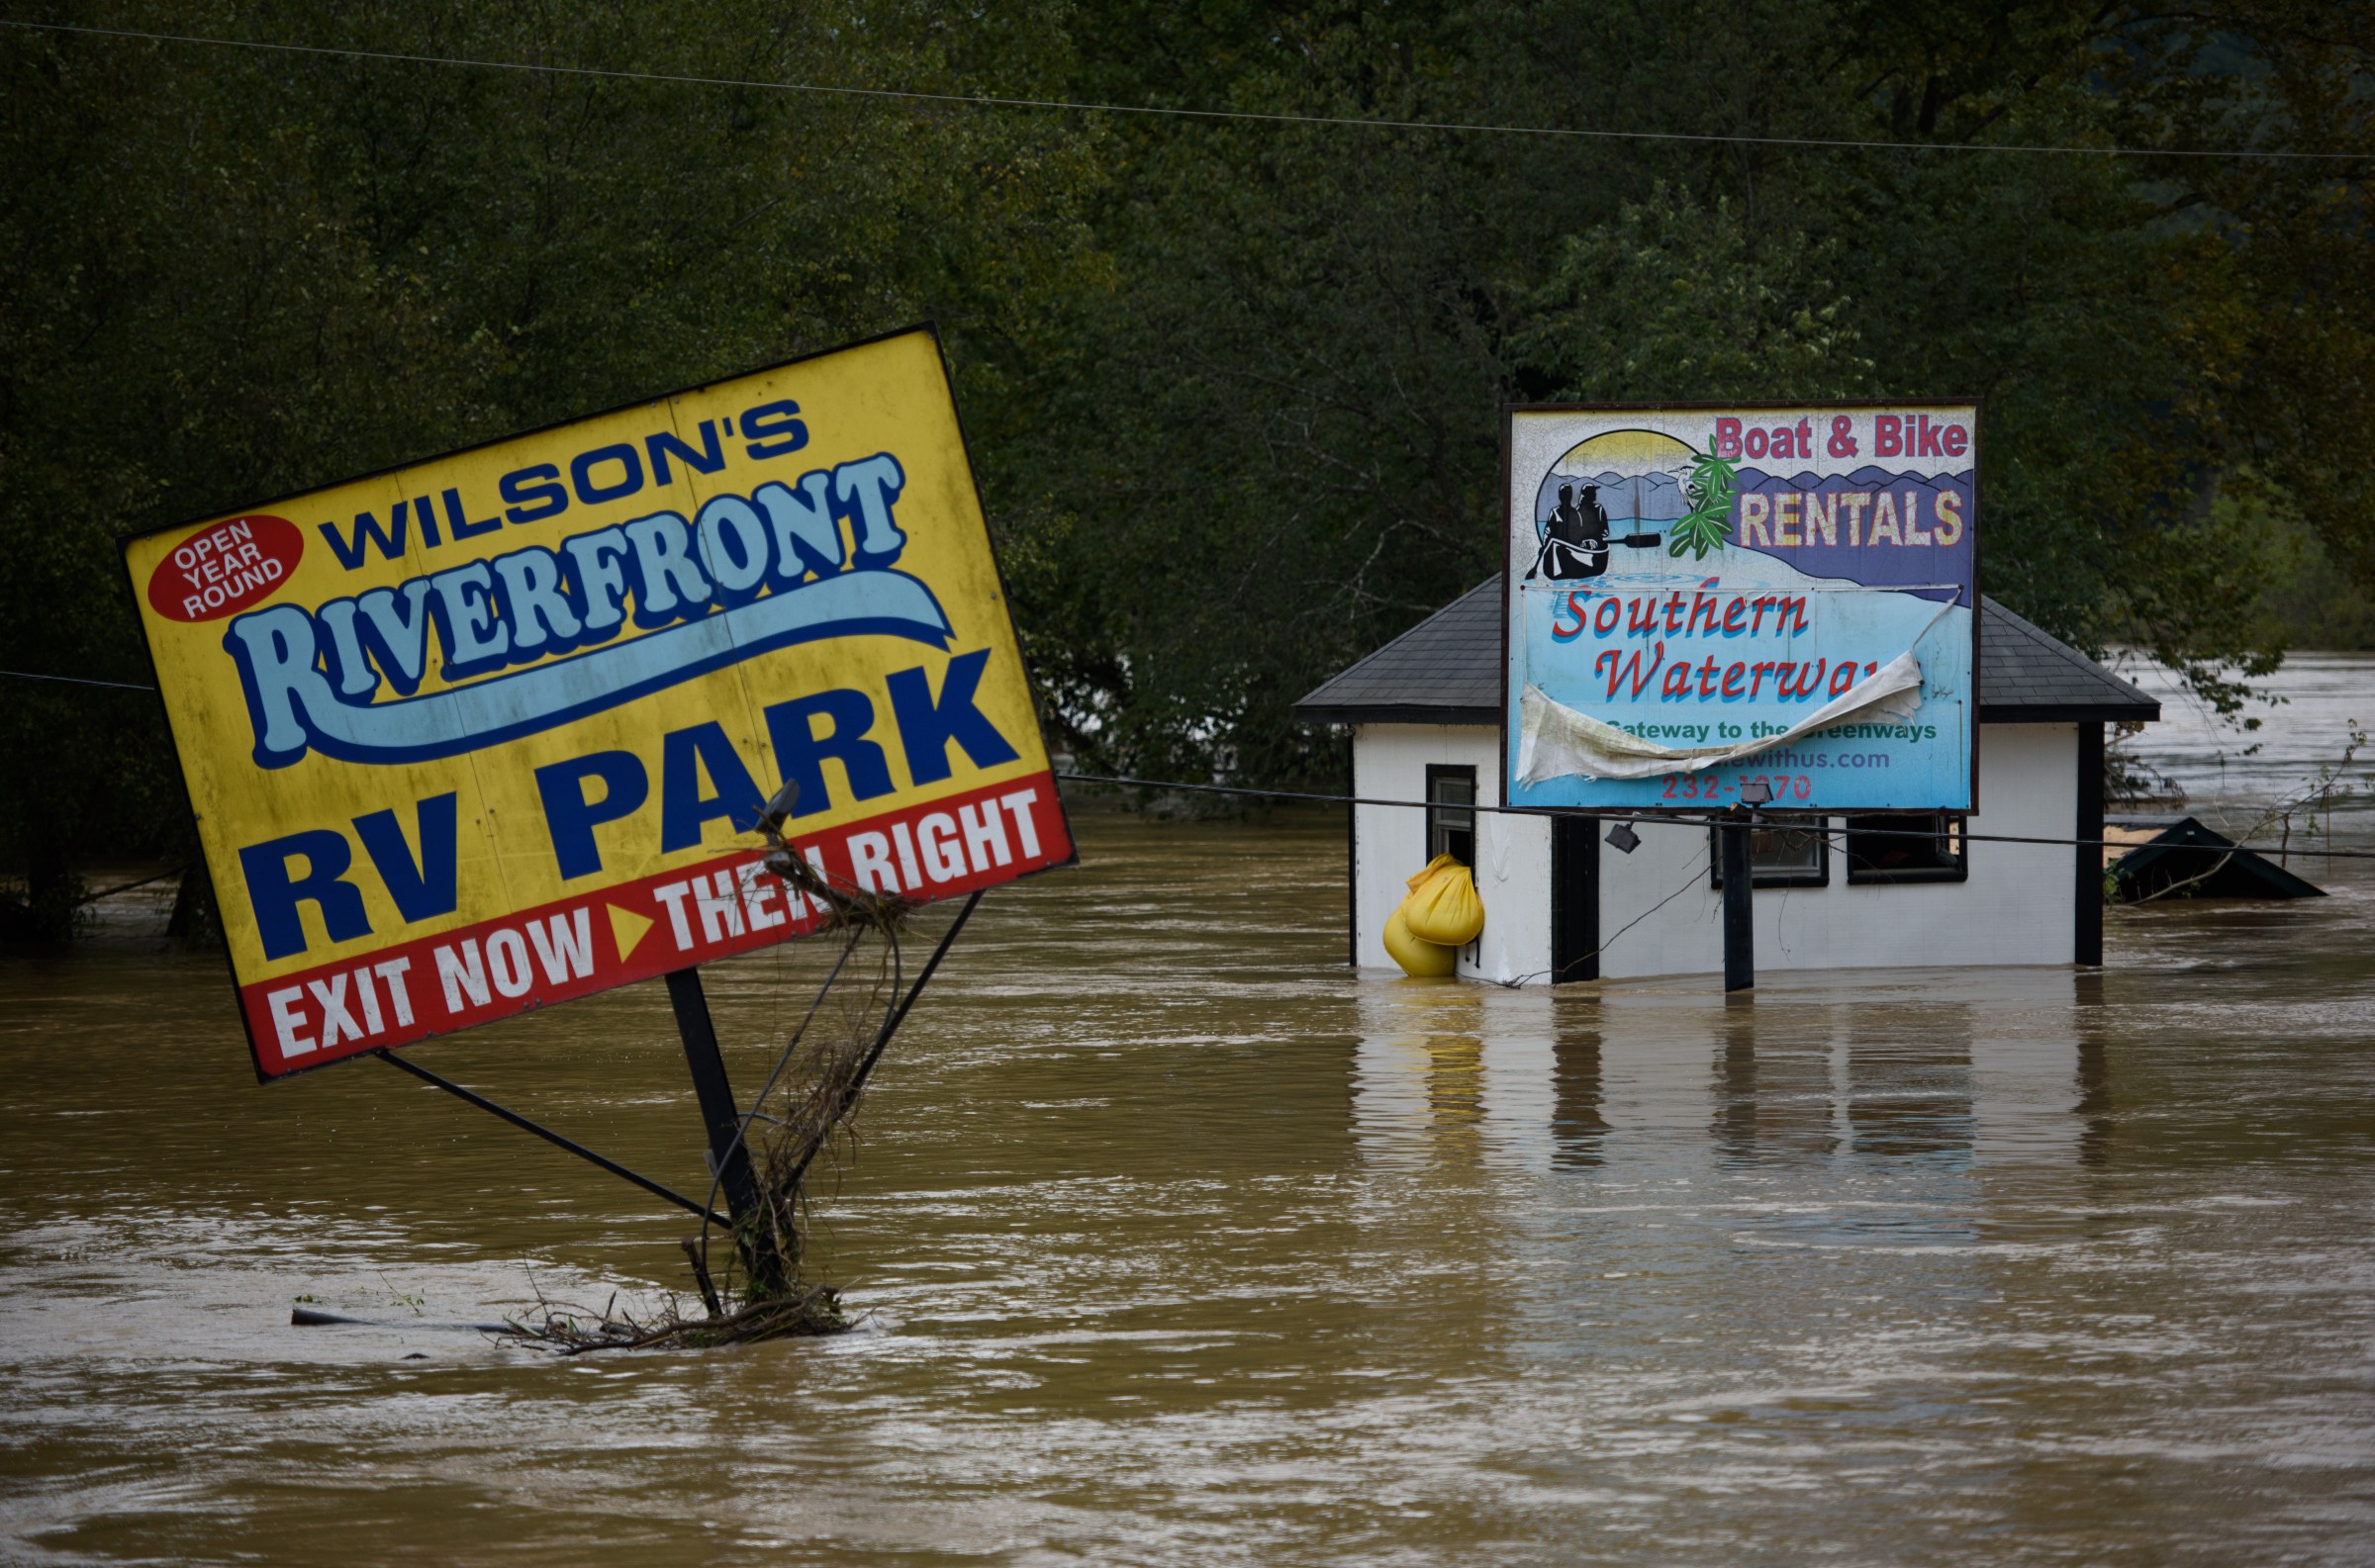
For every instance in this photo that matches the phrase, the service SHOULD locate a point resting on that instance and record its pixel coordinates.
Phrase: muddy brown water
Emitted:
(1179, 1243)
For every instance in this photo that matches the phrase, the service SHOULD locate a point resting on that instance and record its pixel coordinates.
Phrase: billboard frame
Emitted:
(1508, 423)
(927, 326)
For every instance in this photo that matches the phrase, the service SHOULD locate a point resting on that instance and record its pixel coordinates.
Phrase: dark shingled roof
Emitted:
(1447, 669)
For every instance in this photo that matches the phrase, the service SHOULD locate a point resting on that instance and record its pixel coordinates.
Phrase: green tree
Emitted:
(1292, 383)
(235, 274)
(1232, 387)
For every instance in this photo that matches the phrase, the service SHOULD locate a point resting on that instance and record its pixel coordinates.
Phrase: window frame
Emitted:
(1438, 812)
(1865, 875)
(1818, 828)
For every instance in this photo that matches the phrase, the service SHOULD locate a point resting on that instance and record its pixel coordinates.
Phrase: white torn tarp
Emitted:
(1555, 742)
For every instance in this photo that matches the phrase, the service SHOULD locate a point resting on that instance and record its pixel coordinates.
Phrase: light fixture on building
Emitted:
(1624, 838)
(1756, 792)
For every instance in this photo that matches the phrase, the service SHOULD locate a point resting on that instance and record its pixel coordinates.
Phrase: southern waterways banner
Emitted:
(1704, 599)
(492, 730)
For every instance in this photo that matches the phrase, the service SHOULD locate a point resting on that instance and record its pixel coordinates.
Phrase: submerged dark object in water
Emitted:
(2185, 860)
(311, 1318)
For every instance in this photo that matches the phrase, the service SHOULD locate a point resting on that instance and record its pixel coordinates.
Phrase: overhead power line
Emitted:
(1707, 818)
(1700, 818)
(75, 680)
(1086, 106)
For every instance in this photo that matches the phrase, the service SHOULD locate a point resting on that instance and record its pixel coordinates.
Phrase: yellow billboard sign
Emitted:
(492, 731)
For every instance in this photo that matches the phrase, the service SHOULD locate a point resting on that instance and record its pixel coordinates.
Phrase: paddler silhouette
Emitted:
(1574, 538)
(1574, 542)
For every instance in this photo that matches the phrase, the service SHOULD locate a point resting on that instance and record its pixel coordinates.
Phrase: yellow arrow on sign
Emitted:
(626, 930)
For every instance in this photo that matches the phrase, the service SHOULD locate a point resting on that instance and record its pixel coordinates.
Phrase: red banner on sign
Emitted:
(634, 931)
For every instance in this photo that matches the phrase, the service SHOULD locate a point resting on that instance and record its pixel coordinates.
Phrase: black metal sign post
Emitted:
(730, 1153)
(1740, 929)
(1736, 848)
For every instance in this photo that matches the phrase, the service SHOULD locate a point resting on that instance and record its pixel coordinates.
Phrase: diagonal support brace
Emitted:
(553, 1138)
(857, 1082)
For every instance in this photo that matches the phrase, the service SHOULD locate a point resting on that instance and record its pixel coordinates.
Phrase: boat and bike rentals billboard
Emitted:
(1701, 600)
(493, 730)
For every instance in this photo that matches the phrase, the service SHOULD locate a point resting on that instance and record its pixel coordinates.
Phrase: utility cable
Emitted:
(1704, 818)
(75, 680)
(125, 888)
(1560, 970)
(1087, 105)
(1700, 818)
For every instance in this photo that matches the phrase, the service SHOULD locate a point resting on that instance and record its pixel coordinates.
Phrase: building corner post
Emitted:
(1352, 847)
(2087, 913)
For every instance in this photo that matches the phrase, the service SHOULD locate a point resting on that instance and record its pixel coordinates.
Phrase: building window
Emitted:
(1778, 857)
(1451, 817)
(1906, 847)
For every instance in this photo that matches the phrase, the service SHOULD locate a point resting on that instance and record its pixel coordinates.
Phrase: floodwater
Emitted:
(2260, 782)
(1180, 1245)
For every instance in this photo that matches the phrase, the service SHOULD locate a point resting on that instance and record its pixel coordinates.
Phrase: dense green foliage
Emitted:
(1232, 385)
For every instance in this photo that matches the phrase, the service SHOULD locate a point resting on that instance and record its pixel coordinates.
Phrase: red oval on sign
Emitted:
(226, 568)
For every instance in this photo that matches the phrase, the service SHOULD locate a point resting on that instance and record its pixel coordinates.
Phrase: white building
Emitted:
(1560, 903)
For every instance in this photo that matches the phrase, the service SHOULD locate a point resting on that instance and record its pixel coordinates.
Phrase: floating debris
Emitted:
(2182, 858)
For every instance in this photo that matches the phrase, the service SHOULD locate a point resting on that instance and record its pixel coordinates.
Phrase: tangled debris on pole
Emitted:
(806, 1109)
